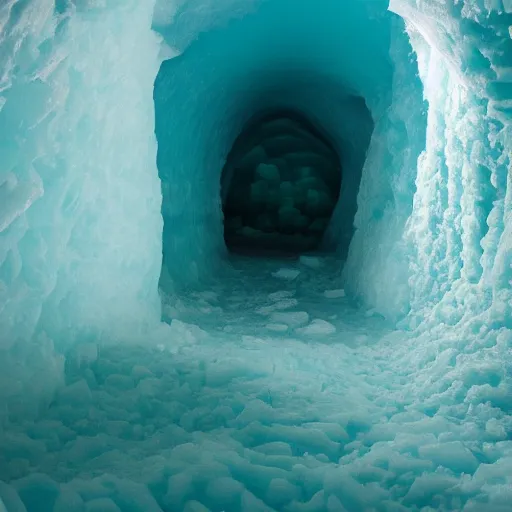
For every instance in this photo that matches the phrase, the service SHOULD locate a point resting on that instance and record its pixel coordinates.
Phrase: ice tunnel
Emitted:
(255, 255)
(279, 186)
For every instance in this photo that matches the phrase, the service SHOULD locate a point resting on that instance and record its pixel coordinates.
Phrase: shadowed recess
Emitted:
(279, 186)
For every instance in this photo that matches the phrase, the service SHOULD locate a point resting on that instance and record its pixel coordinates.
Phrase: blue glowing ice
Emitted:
(375, 374)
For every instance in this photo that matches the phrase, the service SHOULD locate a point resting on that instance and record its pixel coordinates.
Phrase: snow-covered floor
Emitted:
(270, 392)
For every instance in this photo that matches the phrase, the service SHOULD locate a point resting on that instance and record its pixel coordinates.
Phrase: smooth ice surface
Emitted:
(380, 380)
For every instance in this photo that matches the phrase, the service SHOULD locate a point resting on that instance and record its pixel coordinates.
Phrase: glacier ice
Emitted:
(143, 367)
(279, 186)
(77, 210)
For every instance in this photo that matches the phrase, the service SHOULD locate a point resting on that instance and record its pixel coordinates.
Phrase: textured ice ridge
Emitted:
(271, 389)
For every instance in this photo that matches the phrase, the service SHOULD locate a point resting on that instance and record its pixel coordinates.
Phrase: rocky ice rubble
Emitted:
(249, 418)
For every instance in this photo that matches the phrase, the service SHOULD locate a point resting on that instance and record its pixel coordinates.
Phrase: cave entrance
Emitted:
(279, 186)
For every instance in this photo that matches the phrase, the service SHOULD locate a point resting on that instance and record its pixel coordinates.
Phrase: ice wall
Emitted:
(307, 64)
(459, 230)
(379, 264)
(420, 416)
(80, 223)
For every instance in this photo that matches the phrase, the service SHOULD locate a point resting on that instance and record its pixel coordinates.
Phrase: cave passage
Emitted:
(279, 187)
(149, 149)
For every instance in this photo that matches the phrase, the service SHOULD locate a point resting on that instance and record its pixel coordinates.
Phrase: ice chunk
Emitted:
(334, 294)
(185, 333)
(318, 327)
(453, 455)
(86, 353)
(277, 327)
(305, 440)
(316, 504)
(195, 506)
(280, 492)
(207, 295)
(252, 158)
(283, 294)
(305, 172)
(289, 217)
(426, 486)
(268, 172)
(69, 501)
(180, 487)
(290, 318)
(318, 203)
(334, 431)
(38, 492)
(119, 382)
(10, 498)
(275, 448)
(76, 394)
(334, 505)
(134, 496)
(224, 492)
(22, 447)
(140, 372)
(319, 225)
(85, 448)
(311, 261)
(301, 221)
(351, 493)
(286, 189)
(286, 273)
(256, 410)
(250, 502)
(495, 429)
(312, 182)
(279, 305)
(101, 505)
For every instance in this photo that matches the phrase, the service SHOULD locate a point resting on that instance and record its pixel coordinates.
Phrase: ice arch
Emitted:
(242, 69)
(279, 186)
(81, 222)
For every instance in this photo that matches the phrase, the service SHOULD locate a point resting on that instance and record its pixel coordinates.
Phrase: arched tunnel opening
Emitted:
(255, 256)
(279, 187)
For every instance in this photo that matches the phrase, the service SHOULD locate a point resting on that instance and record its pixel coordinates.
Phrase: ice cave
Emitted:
(255, 255)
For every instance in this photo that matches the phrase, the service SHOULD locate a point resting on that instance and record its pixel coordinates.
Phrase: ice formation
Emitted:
(279, 186)
(145, 368)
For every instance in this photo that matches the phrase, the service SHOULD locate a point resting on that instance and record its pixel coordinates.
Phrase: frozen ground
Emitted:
(382, 384)
(281, 395)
